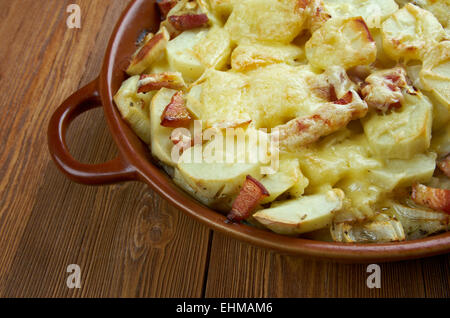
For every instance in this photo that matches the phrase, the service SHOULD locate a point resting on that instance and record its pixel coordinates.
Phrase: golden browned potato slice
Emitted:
(305, 214)
(150, 52)
(401, 134)
(341, 42)
(132, 108)
(266, 20)
(410, 32)
(435, 74)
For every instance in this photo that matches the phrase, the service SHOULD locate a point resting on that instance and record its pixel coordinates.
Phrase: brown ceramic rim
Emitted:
(134, 161)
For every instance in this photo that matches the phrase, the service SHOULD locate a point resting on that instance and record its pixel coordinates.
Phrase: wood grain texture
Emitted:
(239, 270)
(127, 240)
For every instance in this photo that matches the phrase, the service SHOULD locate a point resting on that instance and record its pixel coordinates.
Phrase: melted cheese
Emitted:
(374, 12)
(267, 96)
(321, 76)
(266, 20)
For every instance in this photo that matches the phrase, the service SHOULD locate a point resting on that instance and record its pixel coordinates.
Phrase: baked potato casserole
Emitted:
(345, 104)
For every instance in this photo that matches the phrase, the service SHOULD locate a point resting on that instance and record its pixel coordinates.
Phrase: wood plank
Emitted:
(239, 270)
(127, 240)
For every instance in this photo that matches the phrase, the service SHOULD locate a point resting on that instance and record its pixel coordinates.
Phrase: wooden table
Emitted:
(127, 241)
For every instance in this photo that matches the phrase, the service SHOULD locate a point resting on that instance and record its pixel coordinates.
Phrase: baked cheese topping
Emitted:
(345, 103)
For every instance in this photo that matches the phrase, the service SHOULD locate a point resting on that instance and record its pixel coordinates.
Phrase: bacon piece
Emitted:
(302, 4)
(149, 52)
(436, 199)
(148, 47)
(176, 114)
(165, 6)
(384, 90)
(188, 21)
(444, 165)
(251, 194)
(347, 99)
(328, 119)
(153, 82)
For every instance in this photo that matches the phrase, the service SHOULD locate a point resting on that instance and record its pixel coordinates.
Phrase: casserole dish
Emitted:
(135, 162)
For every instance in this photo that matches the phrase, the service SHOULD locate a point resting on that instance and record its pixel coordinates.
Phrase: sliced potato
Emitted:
(306, 214)
(441, 111)
(288, 176)
(435, 74)
(161, 144)
(441, 141)
(250, 56)
(221, 98)
(234, 97)
(439, 8)
(373, 12)
(317, 13)
(410, 32)
(150, 52)
(441, 114)
(265, 20)
(403, 173)
(328, 163)
(181, 54)
(133, 109)
(344, 42)
(404, 133)
(220, 204)
(383, 59)
(222, 7)
(211, 176)
(214, 50)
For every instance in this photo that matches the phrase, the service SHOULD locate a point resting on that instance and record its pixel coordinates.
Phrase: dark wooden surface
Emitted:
(127, 241)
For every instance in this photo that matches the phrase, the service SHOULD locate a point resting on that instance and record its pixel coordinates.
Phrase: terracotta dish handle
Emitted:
(113, 171)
